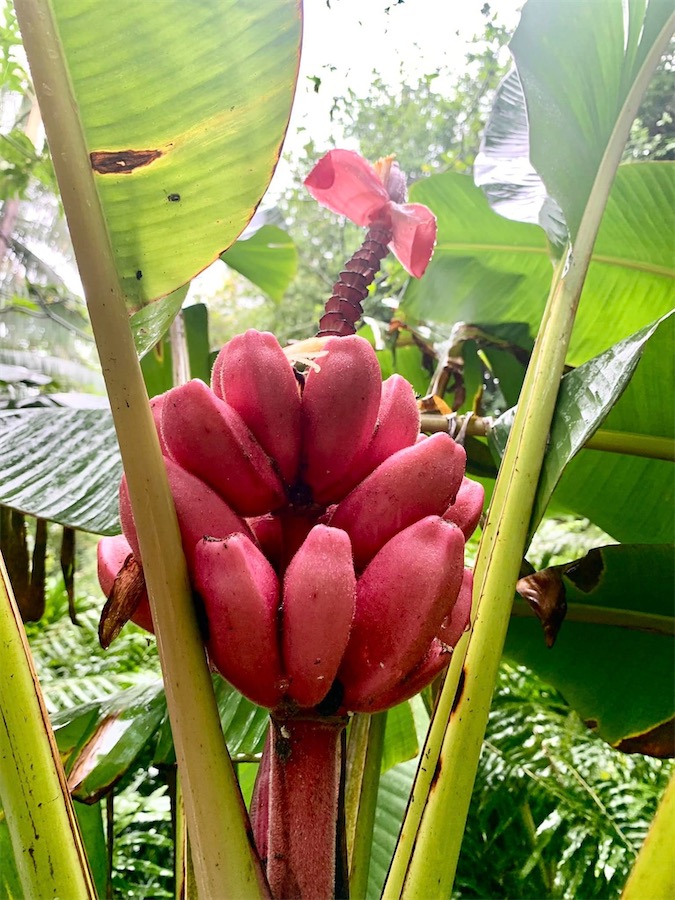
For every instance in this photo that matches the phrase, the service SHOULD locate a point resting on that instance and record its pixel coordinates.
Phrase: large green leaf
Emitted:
(613, 657)
(487, 269)
(62, 465)
(269, 259)
(583, 67)
(619, 382)
(182, 107)
(631, 497)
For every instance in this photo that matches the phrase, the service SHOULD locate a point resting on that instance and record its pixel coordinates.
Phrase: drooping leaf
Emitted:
(615, 390)
(487, 269)
(613, 656)
(269, 259)
(157, 365)
(503, 168)
(583, 68)
(150, 324)
(62, 465)
(189, 154)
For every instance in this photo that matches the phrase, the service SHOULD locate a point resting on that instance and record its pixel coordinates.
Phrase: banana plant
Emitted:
(194, 159)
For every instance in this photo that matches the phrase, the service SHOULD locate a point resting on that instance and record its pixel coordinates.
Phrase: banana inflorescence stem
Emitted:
(343, 308)
(303, 796)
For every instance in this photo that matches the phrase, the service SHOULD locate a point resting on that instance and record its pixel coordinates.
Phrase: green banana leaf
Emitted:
(62, 465)
(613, 656)
(182, 109)
(487, 269)
(614, 390)
(100, 741)
(268, 258)
(574, 119)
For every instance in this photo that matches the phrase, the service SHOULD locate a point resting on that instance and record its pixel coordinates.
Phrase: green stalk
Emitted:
(225, 863)
(653, 874)
(48, 849)
(606, 615)
(629, 443)
(438, 840)
(649, 446)
(369, 783)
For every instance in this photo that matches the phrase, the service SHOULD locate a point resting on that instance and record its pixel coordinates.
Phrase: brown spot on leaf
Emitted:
(110, 162)
(437, 771)
(459, 691)
(586, 573)
(545, 592)
(658, 741)
(103, 739)
(125, 597)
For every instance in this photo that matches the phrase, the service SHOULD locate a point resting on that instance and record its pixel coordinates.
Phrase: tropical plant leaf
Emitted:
(400, 737)
(587, 395)
(72, 473)
(10, 883)
(269, 259)
(503, 168)
(150, 324)
(486, 269)
(191, 156)
(70, 371)
(613, 656)
(100, 741)
(583, 85)
(90, 820)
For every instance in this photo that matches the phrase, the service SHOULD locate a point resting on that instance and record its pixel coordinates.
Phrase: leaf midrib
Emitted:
(471, 248)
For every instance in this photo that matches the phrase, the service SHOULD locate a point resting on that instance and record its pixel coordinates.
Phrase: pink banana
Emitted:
(340, 403)
(241, 597)
(466, 510)
(415, 482)
(317, 612)
(436, 659)
(208, 438)
(397, 427)
(113, 554)
(457, 621)
(401, 600)
(254, 376)
(201, 512)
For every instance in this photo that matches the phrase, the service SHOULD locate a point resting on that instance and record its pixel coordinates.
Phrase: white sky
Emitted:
(345, 42)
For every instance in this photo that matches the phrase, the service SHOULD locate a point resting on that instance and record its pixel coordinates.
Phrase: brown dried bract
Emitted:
(125, 596)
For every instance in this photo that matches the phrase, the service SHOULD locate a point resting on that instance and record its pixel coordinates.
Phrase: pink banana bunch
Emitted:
(324, 537)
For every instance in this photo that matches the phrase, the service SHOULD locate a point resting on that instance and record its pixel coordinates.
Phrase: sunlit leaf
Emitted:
(269, 259)
(182, 112)
(581, 67)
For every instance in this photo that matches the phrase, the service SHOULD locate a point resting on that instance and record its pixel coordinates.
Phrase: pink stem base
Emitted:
(304, 785)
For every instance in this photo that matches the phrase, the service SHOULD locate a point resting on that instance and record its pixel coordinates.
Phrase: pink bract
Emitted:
(325, 541)
(346, 184)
